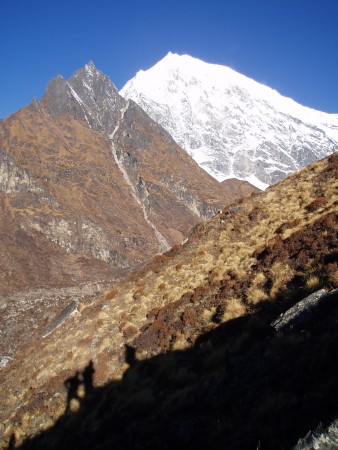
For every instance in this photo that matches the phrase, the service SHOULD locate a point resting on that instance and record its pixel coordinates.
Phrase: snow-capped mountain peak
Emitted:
(230, 124)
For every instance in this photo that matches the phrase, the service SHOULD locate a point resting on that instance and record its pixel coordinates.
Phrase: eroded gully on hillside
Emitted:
(164, 245)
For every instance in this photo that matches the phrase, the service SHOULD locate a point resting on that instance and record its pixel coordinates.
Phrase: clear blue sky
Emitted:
(290, 45)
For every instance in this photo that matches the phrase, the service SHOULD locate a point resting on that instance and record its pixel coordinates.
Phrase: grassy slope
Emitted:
(208, 367)
(69, 218)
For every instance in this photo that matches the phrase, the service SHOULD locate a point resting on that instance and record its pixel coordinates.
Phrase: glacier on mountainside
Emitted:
(231, 125)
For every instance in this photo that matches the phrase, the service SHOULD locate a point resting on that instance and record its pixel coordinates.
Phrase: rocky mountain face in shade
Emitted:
(231, 125)
(90, 187)
(88, 95)
(228, 340)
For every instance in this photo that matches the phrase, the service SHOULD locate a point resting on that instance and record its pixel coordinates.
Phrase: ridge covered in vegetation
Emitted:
(183, 354)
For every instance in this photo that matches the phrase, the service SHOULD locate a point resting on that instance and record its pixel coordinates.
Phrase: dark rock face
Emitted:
(304, 311)
(88, 96)
(61, 317)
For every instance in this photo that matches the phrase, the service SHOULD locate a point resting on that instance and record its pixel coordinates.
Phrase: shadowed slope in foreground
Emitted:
(203, 364)
(241, 386)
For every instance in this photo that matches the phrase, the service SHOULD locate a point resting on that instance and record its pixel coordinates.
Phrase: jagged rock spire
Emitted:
(89, 95)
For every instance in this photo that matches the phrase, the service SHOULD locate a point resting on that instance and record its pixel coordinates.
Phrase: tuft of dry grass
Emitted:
(312, 282)
(139, 292)
(334, 278)
(181, 343)
(281, 274)
(234, 308)
(256, 293)
(207, 314)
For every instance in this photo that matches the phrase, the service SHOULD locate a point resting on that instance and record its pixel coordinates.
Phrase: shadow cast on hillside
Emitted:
(240, 386)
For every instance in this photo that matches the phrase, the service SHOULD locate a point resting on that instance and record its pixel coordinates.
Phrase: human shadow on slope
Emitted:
(73, 384)
(240, 386)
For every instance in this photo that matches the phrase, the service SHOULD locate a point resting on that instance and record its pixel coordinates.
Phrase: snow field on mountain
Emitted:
(231, 125)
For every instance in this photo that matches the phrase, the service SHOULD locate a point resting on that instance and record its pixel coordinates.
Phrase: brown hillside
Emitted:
(77, 217)
(239, 186)
(215, 295)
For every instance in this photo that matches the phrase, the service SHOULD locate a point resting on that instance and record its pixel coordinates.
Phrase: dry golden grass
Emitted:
(208, 314)
(281, 274)
(255, 293)
(139, 292)
(334, 278)
(181, 343)
(204, 262)
(312, 282)
(233, 309)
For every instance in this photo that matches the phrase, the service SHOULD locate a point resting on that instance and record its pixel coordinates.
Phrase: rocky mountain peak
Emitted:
(90, 67)
(90, 187)
(88, 95)
(35, 105)
(56, 95)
